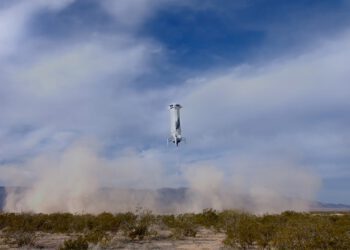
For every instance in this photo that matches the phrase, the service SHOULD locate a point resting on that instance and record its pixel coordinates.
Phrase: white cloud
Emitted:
(79, 86)
(292, 91)
(83, 64)
(15, 18)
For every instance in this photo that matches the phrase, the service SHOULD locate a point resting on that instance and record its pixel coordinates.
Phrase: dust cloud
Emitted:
(81, 180)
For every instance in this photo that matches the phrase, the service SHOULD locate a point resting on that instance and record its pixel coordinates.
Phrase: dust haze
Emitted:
(81, 180)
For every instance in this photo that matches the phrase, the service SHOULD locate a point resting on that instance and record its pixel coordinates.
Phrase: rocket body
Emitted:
(175, 125)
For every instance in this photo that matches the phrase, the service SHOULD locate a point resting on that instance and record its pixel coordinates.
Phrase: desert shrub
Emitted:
(2, 221)
(342, 227)
(19, 222)
(63, 222)
(226, 219)
(208, 218)
(311, 232)
(183, 225)
(295, 234)
(41, 222)
(108, 222)
(243, 233)
(79, 243)
(168, 220)
(59, 223)
(25, 239)
(96, 236)
(81, 223)
(128, 221)
(138, 226)
(20, 238)
(266, 230)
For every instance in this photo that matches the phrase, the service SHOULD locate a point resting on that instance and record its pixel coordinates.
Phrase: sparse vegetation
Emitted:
(79, 243)
(183, 225)
(20, 239)
(243, 233)
(138, 226)
(289, 230)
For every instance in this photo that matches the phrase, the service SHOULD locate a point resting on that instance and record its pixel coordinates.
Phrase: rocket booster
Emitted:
(175, 125)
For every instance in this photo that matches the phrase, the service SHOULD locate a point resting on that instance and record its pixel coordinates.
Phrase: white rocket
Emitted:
(175, 126)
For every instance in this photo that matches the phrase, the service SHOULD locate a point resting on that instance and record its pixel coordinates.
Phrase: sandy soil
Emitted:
(205, 239)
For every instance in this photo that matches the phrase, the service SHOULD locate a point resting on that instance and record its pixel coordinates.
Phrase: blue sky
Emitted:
(263, 83)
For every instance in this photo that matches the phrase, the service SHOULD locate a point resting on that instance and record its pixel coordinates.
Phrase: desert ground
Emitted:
(205, 239)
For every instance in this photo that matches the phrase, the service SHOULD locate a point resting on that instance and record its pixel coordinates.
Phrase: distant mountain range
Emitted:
(322, 206)
(171, 196)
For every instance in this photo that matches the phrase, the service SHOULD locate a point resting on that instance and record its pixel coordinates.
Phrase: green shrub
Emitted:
(243, 233)
(96, 236)
(108, 222)
(306, 232)
(138, 226)
(226, 219)
(79, 243)
(208, 218)
(183, 225)
(266, 230)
